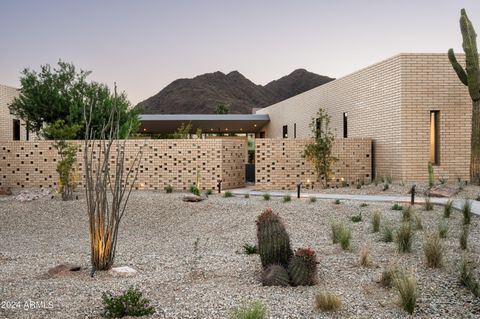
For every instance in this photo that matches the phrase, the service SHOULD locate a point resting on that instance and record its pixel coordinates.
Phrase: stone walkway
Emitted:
(457, 203)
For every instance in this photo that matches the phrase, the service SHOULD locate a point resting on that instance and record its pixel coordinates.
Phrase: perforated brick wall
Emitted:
(280, 164)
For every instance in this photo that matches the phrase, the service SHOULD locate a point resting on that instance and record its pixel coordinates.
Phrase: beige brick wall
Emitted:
(164, 162)
(279, 163)
(7, 94)
(390, 102)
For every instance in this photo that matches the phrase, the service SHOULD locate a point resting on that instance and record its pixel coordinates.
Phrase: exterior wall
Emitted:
(279, 163)
(390, 102)
(164, 162)
(7, 94)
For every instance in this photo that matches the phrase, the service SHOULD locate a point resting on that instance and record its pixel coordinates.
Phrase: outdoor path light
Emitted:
(298, 189)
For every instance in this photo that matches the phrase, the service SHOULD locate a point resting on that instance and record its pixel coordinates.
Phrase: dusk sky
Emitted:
(145, 45)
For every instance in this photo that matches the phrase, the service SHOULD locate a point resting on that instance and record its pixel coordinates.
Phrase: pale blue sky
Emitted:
(144, 45)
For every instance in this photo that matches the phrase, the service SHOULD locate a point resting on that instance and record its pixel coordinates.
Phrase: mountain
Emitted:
(203, 93)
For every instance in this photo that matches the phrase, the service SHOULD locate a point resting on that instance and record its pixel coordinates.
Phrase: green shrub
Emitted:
(442, 229)
(209, 192)
(266, 196)
(388, 276)
(385, 187)
(464, 237)
(363, 205)
(433, 250)
(467, 212)
(359, 186)
(312, 199)
(356, 218)
(327, 301)
(376, 221)
(428, 203)
(447, 210)
(404, 238)
(408, 213)
(397, 206)
(468, 278)
(337, 202)
(249, 249)
(407, 288)
(344, 236)
(194, 190)
(254, 311)
(387, 234)
(365, 259)
(227, 194)
(287, 198)
(247, 195)
(335, 227)
(168, 189)
(130, 303)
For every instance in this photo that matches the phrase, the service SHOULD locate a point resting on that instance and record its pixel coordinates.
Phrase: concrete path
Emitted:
(457, 203)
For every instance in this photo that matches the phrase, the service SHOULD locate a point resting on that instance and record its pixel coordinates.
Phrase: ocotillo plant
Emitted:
(470, 76)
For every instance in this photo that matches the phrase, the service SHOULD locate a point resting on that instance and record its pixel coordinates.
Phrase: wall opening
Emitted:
(16, 130)
(294, 130)
(345, 125)
(285, 131)
(435, 137)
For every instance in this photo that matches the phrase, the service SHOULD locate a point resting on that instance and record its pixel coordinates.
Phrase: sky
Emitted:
(144, 45)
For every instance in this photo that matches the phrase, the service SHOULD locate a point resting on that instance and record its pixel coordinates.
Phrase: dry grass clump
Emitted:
(365, 258)
(377, 216)
(387, 234)
(447, 210)
(342, 234)
(428, 204)
(254, 311)
(442, 229)
(404, 238)
(388, 276)
(408, 213)
(327, 301)
(434, 250)
(312, 199)
(406, 285)
(467, 212)
(418, 222)
(468, 278)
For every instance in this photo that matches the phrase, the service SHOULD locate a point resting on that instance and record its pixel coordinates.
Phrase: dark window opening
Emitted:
(27, 134)
(294, 130)
(345, 125)
(435, 137)
(285, 131)
(16, 130)
(262, 134)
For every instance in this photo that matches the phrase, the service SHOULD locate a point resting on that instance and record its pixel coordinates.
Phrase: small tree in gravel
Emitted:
(107, 188)
(319, 152)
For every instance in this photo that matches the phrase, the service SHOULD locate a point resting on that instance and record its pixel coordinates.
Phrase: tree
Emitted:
(222, 109)
(470, 76)
(108, 184)
(319, 152)
(61, 94)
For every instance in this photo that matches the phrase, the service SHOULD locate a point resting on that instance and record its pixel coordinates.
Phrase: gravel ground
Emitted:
(157, 239)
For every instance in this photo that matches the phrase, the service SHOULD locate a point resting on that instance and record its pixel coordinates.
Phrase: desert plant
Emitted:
(337, 202)
(255, 310)
(447, 210)
(408, 213)
(365, 259)
(468, 278)
(407, 288)
(249, 249)
(303, 267)
(356, 218)
(442, 229)
(273, 240)
(363, 205)
(431, 177)
(467, 212)
(327, 301)
(266, 196)
(397, 206)
(433, 249)
(209, 192)
(388, 276)
(376, 221)
(404, 237)
(168, 189)
(385, 187)
(418, 222)
(461, 184)
(275, 275)
(387, 234)
(359, 186)
(129, 303)
(335, 228)
(344, 236)
(312, 199)
(428, 203)
(106, 196)
(194, 190)
(464, 237)
(287, 198)
(443, 180)
(227, 194)
(247, 195)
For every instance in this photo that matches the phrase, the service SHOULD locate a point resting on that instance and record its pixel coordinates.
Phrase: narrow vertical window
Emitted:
(16, 130)
(435, 137)
(345, 125)
(294, 130)
(285, 131)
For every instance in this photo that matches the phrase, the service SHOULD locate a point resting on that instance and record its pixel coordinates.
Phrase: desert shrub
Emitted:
(468, 278)
(443, 180)
(194, 190)
(247, 195)
(168, 189)
(227, 194)
(418, 222)
(312, 199)
(385, 187)
(464, 237)
(337, 202)
(388, 276)
(359, 186)
(433, 249)
(356, 218)
(255, 310)
(327, 301)
(287, 198)
(365, 259)
(249, 249)
(467, 212)
(209, 192)
(408, 213)
(130, 303)
(407, 288)
(376, 221)
(387, 234)
(363, 205)
(442, 229)
(344, 236)
(447, 210)
(461, 185)
(266, 196)
(404, 238)
(428, 203)
(397, 206)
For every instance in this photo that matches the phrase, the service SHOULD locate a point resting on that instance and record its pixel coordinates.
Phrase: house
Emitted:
(10, 127)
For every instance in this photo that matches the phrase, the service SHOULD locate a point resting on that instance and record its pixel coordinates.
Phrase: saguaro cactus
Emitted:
(470, 76)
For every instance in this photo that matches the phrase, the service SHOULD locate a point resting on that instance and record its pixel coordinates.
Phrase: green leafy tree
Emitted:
(62, 93)
(319, 152)
(222, 109)
(183, 131)
(470, 77)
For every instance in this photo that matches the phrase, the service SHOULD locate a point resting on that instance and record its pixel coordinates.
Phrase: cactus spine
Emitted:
(273, 240)
(275, 275)
(303, 268)
(470, 76)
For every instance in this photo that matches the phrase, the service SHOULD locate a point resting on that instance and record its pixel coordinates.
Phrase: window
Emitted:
(345, 125)
(285, 131)
(294, 130)
(16, 130)
(435, 137)
(318, 126)
(262, 134)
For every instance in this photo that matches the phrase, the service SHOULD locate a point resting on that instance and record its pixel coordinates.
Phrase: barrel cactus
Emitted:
(303, 268)
(275, 275)
(273, 240)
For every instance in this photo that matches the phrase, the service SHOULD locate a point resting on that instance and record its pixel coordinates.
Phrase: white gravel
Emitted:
(157, 239)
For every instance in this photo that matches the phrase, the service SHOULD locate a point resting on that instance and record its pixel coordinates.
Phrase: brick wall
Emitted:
(164, 162)
(279, 163)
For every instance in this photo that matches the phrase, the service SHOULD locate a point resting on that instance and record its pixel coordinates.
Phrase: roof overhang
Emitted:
(208, 123)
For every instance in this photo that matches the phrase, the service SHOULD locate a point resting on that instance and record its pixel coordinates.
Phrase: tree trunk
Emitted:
(475, 144)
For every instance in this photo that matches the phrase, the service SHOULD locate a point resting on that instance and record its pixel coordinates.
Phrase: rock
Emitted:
(63, 269)
(441, 191)
(33, 194)
(4, 190)
(193, 198)
(123, 271)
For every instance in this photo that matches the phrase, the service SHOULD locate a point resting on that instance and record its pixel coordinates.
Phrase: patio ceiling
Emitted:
(209, 123)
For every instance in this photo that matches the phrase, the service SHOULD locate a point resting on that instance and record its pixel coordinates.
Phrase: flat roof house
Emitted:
(412, 106)
(10, 127)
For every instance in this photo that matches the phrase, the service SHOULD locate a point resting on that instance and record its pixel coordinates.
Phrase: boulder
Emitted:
(123, 271)
(193, 198)
(4, 190)
(441, 191)
(63, 269)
